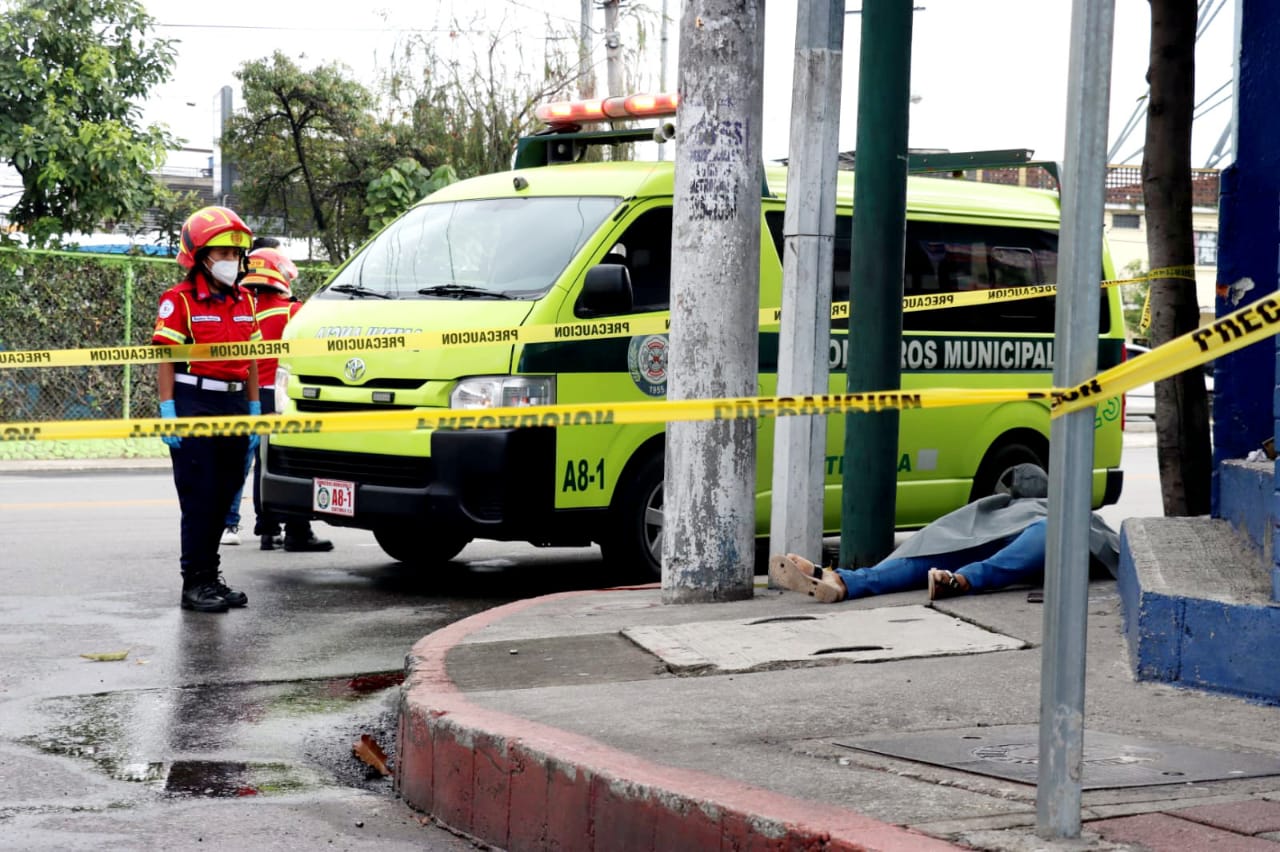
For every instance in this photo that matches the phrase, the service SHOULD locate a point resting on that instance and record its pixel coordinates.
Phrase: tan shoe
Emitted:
(945, 584)
(796, 573)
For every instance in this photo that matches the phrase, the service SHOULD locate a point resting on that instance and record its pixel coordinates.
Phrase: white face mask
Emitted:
(225, 271)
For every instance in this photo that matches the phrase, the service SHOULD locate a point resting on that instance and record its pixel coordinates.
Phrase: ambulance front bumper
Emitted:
(492, 483)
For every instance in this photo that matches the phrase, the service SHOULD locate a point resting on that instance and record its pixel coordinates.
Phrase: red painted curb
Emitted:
(520, 785)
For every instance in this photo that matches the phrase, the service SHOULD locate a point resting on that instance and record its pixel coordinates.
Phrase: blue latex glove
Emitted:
(255, 410)
(169, 411)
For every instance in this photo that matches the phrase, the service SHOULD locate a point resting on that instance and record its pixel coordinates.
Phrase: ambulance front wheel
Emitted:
(412, 547)
(1017, 448)
(634, 540)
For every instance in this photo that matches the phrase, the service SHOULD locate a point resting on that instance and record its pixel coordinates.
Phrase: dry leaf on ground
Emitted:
(367, 749)
(112, 657)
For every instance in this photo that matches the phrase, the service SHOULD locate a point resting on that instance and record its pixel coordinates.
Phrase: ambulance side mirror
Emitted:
(605, 292)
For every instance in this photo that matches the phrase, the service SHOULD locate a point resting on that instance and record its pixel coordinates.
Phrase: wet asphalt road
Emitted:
(230, 731)
(225, 731)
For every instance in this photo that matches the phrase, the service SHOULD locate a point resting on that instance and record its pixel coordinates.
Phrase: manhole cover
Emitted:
(1012, 752)
(867, 635)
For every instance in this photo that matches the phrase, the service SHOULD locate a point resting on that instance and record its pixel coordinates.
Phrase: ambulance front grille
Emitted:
(363, 468)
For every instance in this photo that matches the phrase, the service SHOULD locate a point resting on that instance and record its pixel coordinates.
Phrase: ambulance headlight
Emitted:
(503, 392)
(281, 389)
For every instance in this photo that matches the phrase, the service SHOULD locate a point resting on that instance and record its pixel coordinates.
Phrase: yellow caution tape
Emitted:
(1248, 325)
(657, 411)
(104, 356)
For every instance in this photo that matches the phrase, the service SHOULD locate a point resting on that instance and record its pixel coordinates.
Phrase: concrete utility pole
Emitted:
(226, 169)
(586, 67)
(879, 246)
(800, 443)
(708, 542)
(1066, 577)
(613, 47)
(663, 39)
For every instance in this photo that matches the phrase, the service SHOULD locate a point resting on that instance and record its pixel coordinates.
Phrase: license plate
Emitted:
(334, 497)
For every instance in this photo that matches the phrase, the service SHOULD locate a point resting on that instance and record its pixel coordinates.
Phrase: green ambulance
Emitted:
(562, 240)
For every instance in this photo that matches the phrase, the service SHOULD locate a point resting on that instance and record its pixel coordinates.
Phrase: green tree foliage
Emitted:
(71, 72)
(1133, 298)
(400, 186)
(304, 147)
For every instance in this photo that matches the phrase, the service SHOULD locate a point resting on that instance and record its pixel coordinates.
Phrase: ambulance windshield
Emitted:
(490, 248)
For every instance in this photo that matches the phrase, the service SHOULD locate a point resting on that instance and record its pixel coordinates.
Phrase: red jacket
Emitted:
(275, 309)
(194, 312)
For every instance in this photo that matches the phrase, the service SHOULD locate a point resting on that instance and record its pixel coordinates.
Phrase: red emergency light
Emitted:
(607, 109)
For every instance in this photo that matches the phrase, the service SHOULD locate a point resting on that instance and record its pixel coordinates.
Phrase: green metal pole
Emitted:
(128, 336)
(879, 235)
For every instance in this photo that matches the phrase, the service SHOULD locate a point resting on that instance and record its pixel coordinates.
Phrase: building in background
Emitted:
(1126, 221)
(1126, 228)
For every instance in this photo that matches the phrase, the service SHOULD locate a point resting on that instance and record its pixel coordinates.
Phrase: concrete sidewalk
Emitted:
(605, 720)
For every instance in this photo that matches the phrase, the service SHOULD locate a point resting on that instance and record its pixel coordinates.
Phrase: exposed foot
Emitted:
(945, 584)
(797, 574)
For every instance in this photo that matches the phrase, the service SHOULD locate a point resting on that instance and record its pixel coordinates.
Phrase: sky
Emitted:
(986, 74)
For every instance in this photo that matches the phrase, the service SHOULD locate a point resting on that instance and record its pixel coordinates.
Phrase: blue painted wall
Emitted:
(1249, 236)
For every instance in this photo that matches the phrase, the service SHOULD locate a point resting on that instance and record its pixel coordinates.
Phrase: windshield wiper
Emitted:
(357, 290)
(462, 291)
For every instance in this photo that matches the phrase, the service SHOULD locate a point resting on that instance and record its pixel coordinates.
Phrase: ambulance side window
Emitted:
(842, 254)
(645, 248)
(955, 257)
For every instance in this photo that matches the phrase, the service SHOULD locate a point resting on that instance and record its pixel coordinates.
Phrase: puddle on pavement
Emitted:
(176, 741)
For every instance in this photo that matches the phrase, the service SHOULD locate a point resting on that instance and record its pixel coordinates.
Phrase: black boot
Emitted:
(201, 594)
(230, 595)
(270, 542)
(308, 542)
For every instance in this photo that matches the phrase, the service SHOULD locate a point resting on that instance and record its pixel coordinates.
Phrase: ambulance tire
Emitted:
(1029, 449)
(411, 547)
(633, 544)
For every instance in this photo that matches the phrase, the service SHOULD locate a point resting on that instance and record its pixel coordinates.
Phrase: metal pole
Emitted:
(708, 543)
(1066, 580)
(663, 41)
(879, 244)
(587, 76)
(800, 443)
(613, 48)
(128, 338)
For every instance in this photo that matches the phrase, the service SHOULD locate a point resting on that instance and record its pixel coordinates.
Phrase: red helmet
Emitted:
(214, 226)
(270, 268)
(185, 260)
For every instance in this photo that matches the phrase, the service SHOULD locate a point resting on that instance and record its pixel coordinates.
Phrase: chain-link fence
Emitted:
(66, 300)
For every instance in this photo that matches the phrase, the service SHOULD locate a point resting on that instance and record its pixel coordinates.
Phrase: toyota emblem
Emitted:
(355, 369)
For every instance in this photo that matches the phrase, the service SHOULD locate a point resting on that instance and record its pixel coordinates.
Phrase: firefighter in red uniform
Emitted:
(208, 306)
(270, 279)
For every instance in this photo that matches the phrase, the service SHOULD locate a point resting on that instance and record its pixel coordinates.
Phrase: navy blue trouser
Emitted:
(268, 523)
(207, 473)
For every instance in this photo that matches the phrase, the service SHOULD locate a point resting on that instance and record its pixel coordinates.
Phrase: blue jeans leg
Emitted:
(233, 511)
(891, 575)
(1020, 561)
(908, 573)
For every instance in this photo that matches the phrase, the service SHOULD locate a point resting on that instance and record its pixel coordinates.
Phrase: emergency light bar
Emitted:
(607, 109)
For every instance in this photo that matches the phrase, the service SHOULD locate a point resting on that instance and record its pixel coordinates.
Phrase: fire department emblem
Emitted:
(354, 369)
(647, 357)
